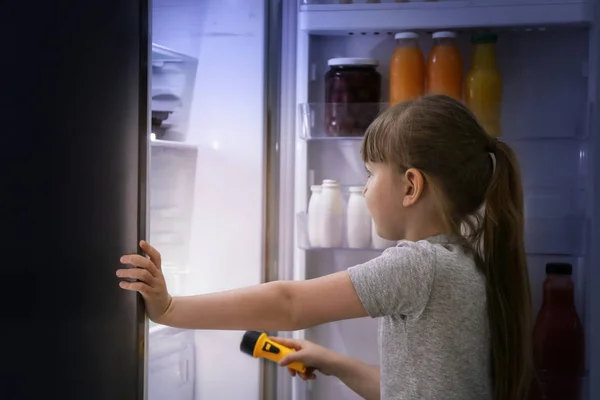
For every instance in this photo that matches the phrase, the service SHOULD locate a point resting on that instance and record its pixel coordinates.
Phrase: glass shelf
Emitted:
(335, 17)
(162, 55)
(337, 121)
(561, 236)
(171, 144)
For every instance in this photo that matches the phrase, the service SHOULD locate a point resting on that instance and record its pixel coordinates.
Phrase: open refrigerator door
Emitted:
(207, 183)
(172, 174)
(548, 56)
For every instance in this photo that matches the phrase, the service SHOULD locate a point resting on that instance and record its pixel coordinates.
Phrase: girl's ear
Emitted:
(414, 182)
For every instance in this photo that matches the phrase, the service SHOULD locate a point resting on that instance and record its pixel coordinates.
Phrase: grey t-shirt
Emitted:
(433, 327)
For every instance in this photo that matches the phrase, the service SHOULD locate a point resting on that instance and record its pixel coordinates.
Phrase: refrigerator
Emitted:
(198, 125)
(548, 56)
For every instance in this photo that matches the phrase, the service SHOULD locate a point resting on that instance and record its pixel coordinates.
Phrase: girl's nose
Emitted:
(364, 190)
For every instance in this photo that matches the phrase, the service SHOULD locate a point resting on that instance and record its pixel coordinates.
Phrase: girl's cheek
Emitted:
(368, 193)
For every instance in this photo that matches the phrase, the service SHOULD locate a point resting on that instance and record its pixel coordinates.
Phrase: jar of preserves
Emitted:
(352, 96)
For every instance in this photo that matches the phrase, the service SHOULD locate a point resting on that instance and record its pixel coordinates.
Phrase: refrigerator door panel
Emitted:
(171, 364)
(592, 314)
(75, 102)
(226, 218)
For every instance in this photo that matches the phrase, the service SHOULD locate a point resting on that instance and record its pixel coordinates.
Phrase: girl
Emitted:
(453, 297)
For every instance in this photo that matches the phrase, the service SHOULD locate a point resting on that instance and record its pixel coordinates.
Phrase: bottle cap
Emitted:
(406, 35)
(330, 183)
(444, 35)
(249, 342)
(484, 38)
(347, 61)
(559, 268)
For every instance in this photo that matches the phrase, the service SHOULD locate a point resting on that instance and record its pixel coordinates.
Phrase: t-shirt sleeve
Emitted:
(397, 282)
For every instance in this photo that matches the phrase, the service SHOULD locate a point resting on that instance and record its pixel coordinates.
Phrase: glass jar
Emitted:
(352, 95)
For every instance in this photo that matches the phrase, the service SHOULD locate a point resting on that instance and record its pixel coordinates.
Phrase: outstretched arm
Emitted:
(280, 305)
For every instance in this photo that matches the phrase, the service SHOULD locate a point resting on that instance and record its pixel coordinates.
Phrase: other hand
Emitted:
(312, 355)
(151, 282)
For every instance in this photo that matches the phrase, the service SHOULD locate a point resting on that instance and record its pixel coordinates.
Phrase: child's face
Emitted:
(385, 193)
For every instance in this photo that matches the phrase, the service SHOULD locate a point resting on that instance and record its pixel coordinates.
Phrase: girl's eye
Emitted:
(368, 172)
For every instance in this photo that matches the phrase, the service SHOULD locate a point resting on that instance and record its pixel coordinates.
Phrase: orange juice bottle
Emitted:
(444, 66)
(483, 88)
(407, 69)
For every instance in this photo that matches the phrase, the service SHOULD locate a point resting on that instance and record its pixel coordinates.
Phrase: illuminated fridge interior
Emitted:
(547, 56)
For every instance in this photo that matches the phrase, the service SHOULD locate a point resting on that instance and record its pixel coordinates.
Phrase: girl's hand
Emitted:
(151, 285)
(312, 355)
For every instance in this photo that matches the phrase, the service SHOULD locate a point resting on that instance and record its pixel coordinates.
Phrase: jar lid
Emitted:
(406, 35)
(444, 34)
(559, 268)
(356, 189)
(330, 183)
(484, 38)
(315, 188)
(352, 61)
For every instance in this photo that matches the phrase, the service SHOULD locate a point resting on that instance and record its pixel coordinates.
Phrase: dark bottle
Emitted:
(558, 339)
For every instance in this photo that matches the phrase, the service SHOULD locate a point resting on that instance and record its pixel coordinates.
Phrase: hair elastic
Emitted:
(493, 157)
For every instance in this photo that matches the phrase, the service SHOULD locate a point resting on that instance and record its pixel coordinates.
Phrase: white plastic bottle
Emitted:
(331, 213)
(377, 241)
(313, 216)
(358, 220)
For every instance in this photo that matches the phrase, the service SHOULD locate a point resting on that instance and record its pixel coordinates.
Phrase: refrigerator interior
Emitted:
(173, 75)
(545, 118)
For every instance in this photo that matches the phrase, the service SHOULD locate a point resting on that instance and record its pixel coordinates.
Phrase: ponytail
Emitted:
(442, 138)
(507, 280)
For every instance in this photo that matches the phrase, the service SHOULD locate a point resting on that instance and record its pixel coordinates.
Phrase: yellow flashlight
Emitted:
(258, 345)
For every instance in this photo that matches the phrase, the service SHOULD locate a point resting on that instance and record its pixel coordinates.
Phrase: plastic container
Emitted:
(331, 215)
(407, 69)
(313, 216)
(358, 220)
(445, 66)
(483, 87)
(558, 338)
(352, 95)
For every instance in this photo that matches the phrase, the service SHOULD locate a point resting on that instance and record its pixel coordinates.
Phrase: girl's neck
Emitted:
(424, 230)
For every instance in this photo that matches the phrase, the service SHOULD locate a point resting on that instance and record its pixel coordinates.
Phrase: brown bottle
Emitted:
(558, 338)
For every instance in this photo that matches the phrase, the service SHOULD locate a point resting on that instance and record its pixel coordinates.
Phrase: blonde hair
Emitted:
(441, 138)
